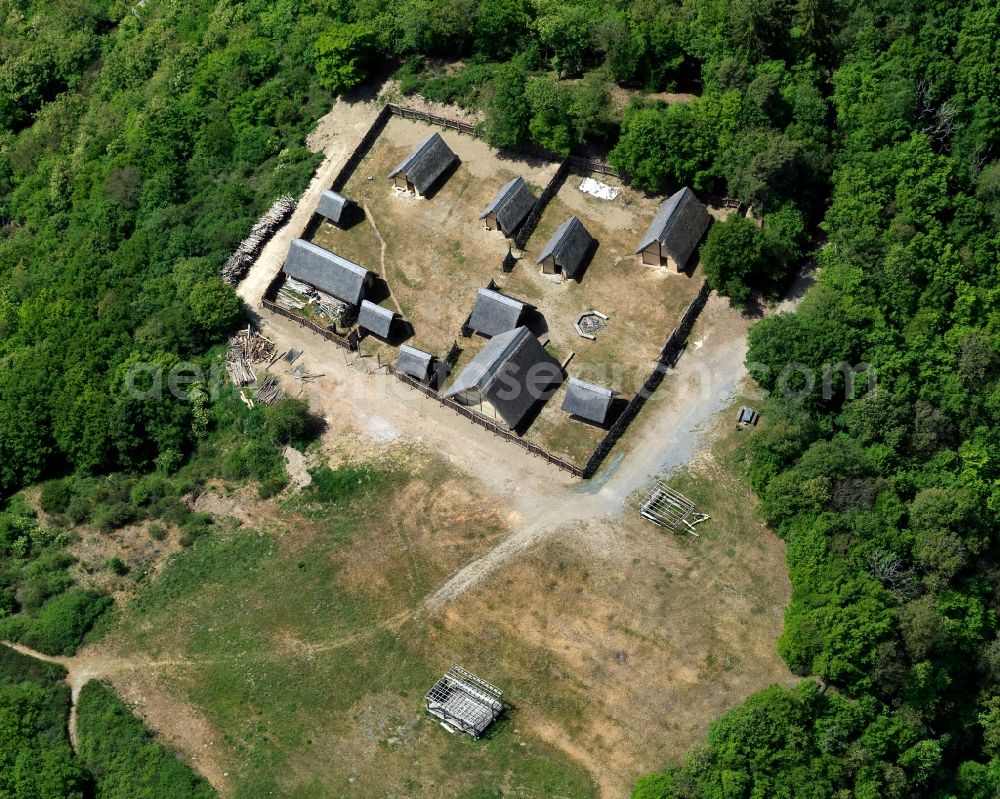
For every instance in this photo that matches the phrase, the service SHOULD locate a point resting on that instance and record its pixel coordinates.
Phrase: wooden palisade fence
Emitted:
(484, 421)
(668, 355)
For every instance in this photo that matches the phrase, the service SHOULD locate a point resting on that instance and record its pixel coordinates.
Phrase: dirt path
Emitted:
(382, 248)
(336, 135)
(668, 433)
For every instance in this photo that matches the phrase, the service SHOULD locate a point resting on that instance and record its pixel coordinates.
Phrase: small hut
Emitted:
(507, 377)
(327, 272)
(464, 701)
(495, 313)
(509, 208)
(375, 319)
(567, 250)
(587, 401)
(675, 231)
(333, 207)
(420, 170)
(415, 363)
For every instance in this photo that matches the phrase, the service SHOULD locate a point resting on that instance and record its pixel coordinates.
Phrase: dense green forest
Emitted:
(139, 141)
(123, 758)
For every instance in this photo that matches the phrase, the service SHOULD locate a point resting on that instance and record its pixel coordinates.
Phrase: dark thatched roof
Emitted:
(511, 206)
(568, 245)
(332, 205)
(587, 401)
(326, 271)
(426, 163)
(512, 372)
(375, 319)
(495, 313)
(679, 225)
(416, 363)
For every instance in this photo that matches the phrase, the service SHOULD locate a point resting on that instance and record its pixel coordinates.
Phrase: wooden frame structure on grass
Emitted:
(670, 509)
(463, 700)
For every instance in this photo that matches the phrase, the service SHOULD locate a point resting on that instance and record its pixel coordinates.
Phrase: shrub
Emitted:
(125, 758)
(78, 510)
(172, 510)
(253, 459)
(46, 577)
(157, 532)
(272, 485)
(288, 421)
(118, 566)
(150, 490)
(56, 496)
(8, 602)
(60, 624)
(111, 517)
(197, 525)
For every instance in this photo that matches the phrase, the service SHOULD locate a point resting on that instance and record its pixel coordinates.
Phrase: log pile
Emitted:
(238, 264)
(296, 295)
(247, 348)
(269, 391)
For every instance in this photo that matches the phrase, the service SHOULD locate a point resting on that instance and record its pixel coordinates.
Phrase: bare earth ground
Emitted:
(553, 588)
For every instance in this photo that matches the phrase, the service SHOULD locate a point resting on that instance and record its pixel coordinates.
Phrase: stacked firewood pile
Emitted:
(247, 348)
(239, 263)
(269, 391)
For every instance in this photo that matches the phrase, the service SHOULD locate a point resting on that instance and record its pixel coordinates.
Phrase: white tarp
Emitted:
(600, 190)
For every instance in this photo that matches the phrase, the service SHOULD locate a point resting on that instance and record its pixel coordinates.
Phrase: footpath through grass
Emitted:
(314, 689)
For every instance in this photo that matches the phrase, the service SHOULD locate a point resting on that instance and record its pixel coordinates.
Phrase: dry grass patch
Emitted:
(436, 522)
(643, 303)
(438, 253)
(627, 650)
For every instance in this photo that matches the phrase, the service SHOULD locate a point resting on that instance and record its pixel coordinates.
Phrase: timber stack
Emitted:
(269, 391)
(238, 264)
(245, 349)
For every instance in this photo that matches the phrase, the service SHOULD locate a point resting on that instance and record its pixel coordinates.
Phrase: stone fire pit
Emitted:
(589, 323)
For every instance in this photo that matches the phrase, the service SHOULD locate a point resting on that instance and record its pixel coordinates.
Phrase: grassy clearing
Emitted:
(305, 655)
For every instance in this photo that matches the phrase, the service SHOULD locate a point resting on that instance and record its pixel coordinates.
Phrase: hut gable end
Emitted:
(512, 372)
(331, 205)
(677, 228)
(511, 206)
(428, 161)
(568, 246)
